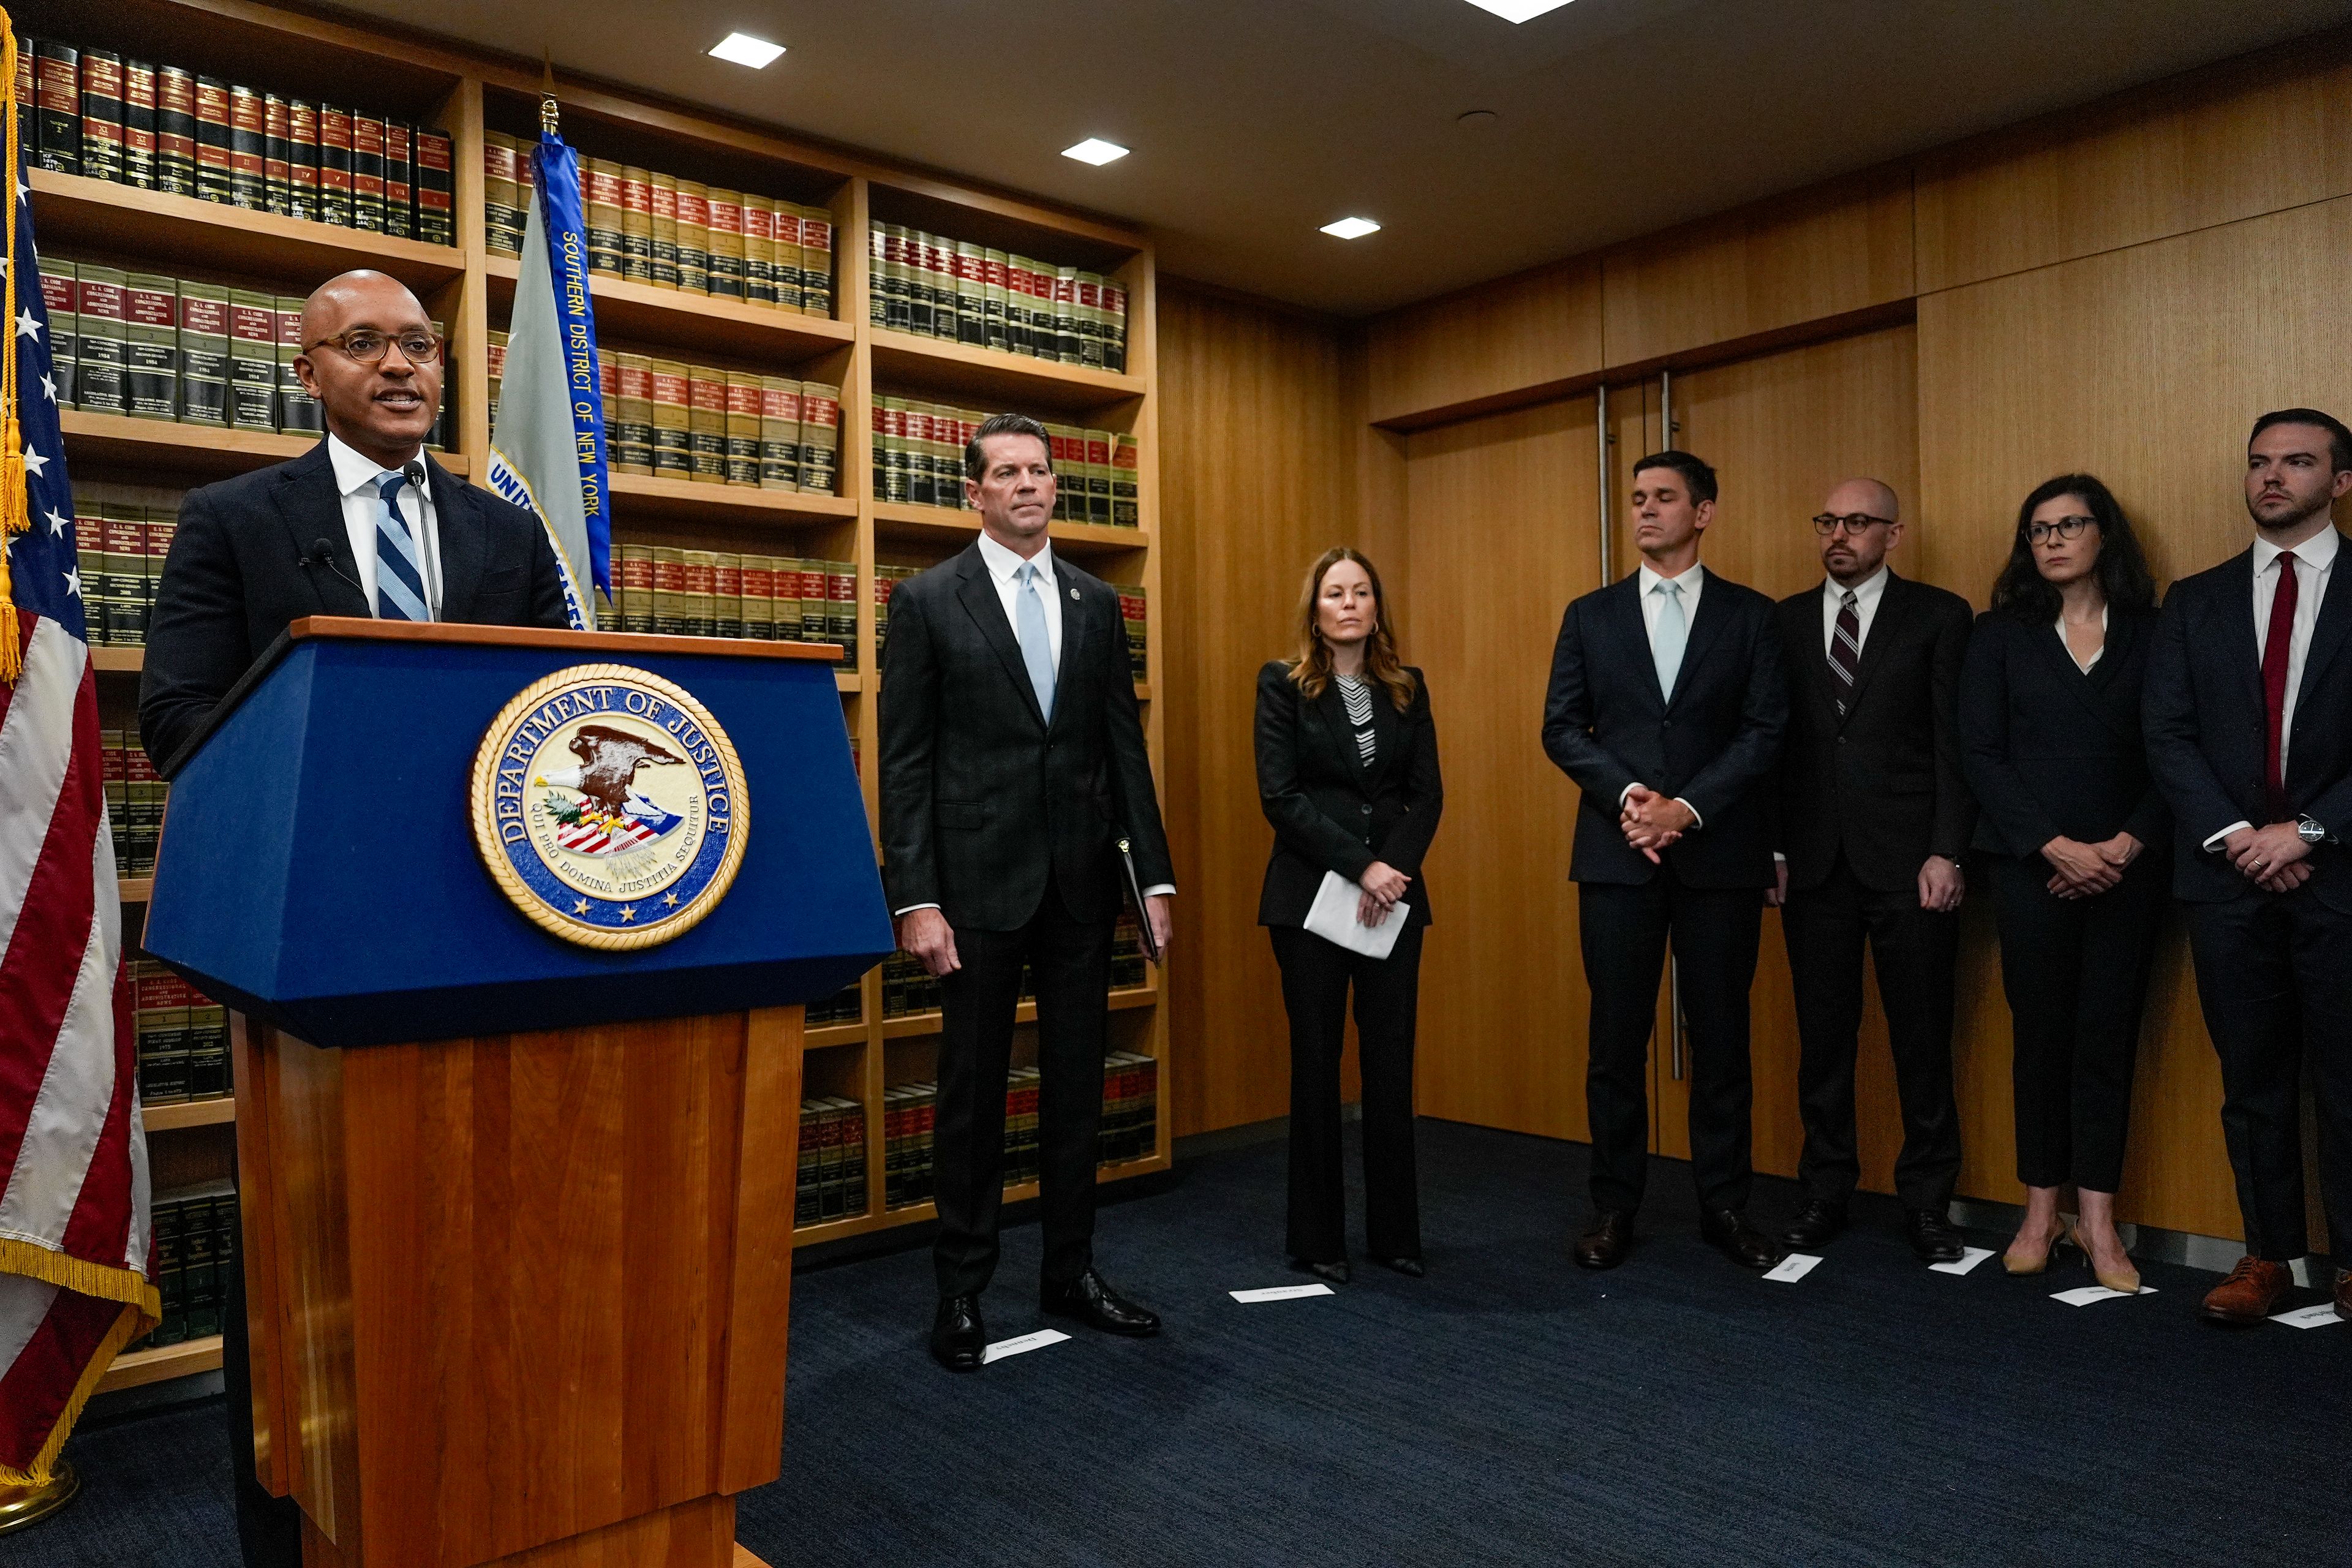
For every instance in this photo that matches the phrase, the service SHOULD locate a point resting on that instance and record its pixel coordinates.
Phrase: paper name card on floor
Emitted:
(1280, 1293)
(1793, 1268)
(2084, 1295)
(1970, 1257)
(1021, 1343)
(2317, 1317)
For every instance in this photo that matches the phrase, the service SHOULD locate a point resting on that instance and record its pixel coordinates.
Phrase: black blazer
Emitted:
(2053, 750)
(982, 799)
(1330, 812)
(1715, 743)
(1884, 783)
(234, 581)
(2204, 716)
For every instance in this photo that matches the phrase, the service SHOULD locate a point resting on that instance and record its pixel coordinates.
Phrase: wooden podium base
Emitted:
(519, 1302)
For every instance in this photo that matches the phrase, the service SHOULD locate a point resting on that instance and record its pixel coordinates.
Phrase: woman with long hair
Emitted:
(1347, 771)
(2076, 834)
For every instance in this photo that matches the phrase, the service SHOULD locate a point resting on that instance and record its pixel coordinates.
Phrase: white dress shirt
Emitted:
(2316, 559)
(1866, 595)
(1004, 571)
(2092, 663)
(356, 479)
(1692, 581)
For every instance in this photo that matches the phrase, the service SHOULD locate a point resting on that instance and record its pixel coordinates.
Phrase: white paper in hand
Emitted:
(1333, 918)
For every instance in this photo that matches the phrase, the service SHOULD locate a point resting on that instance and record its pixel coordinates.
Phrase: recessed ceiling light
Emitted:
(1351, 228)
(1095, 151)
(743, 50)
(1518, 10)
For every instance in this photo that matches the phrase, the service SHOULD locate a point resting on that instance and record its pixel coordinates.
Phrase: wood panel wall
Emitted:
(2120, 287)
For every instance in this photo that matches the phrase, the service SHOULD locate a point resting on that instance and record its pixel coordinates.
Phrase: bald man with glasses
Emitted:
(365, 523)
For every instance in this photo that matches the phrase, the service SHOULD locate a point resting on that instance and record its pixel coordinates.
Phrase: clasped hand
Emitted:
(2274, 858)
(1382, 885)
(1652, 821)
(2083, 871)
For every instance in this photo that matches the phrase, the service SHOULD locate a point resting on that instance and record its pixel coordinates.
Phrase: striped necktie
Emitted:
(1846, 650)
(399, 575)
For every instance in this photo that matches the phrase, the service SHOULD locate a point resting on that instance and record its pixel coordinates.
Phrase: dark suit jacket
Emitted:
(1884, 783)
(1714, 743)
(231, 584)
(1330, 812)
(2052, 750)
(2204, 717)
(982, 799)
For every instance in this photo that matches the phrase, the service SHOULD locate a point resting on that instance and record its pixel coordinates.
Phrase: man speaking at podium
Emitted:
(1012, 764)
(362, 524)
(365, 523)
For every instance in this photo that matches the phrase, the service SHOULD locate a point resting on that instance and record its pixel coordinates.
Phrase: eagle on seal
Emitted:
(609, 759)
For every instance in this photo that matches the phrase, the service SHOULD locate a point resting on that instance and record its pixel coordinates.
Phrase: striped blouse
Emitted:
(1357, 697)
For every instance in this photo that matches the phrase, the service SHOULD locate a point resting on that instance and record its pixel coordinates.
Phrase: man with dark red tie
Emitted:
(2249, 725)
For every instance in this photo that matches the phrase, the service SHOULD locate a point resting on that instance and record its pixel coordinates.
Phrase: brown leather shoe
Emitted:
(2344, 1294)
(1606, 1240)
(2251, 1293)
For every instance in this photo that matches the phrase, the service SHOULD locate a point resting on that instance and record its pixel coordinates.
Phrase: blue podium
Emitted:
(516, 926)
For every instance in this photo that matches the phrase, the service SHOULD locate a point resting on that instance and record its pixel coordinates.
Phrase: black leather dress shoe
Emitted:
(1729, 1233)
(1932, 1237)
(1409, 1267)
(1336, 1272)
(1607, 1238)
(958, 1336)
(1096, 1305)
(1816, 1226)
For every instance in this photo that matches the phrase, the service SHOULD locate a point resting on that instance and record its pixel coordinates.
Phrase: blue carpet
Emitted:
(1510, 1409)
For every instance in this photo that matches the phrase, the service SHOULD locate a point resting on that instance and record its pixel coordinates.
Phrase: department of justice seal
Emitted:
(610, 806)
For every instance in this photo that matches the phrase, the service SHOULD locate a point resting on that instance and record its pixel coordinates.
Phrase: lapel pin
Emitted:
(1074, 593)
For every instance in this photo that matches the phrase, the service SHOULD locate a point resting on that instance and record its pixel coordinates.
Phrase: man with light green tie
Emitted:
(1666, 707)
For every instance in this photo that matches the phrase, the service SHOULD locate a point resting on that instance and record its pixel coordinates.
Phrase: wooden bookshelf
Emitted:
(463, 92)
(136, 890)
(189, 1113)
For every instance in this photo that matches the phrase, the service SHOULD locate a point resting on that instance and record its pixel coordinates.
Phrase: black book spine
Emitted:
(399, 179)
(335, 165)
(212, 140)
(139, 124)
(302, 165)
(276, 155)
(57, 77)
(248, 140)
(175, 131)
(102, 115)
(367, 174)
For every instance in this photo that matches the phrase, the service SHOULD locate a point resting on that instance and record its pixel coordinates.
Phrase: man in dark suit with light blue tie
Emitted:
(1667, 707)
(1012, 763)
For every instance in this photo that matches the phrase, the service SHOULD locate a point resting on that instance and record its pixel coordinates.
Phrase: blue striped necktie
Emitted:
(399, 573)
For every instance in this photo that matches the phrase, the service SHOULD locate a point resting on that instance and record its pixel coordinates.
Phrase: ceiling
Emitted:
(1255, 121)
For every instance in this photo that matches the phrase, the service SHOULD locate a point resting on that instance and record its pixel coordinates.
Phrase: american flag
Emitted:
(75, 1285)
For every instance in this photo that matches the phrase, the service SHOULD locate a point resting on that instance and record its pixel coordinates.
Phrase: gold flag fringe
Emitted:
(15, 515)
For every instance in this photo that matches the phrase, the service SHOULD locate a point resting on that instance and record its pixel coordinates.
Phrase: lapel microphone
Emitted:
(322, 553)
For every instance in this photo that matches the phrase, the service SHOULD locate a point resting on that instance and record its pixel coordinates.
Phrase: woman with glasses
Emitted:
(1347, 772)
(2075, 835)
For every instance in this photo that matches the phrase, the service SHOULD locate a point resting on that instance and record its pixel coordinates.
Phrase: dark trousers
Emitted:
(1625, 932)
(2275, 977)
(1825, 928)
(2075, 972)
(269, 1529)
(1069, 961)
(1315, 976)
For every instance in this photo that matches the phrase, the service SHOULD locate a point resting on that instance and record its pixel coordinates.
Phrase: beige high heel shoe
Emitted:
(2022, 1266)
(2125, 1282)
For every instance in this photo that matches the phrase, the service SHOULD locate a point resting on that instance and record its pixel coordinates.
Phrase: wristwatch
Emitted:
(2310, 832)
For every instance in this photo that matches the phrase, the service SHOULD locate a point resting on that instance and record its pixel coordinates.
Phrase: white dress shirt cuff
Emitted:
(2214, 843)
(910, 909)
(1161, 890)
(1698, 821)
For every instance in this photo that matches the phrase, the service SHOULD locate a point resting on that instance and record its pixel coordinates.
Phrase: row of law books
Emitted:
(182, 1037)
(681, 421)
(647, 227)
(195, 1233)
(846, 1006)
(161, 128)
(134, 801)
(147, 346)
(728, 594)
(831, 1180)
(1129, 1128)
(970, 294)
(918, 450)
(119, 551)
